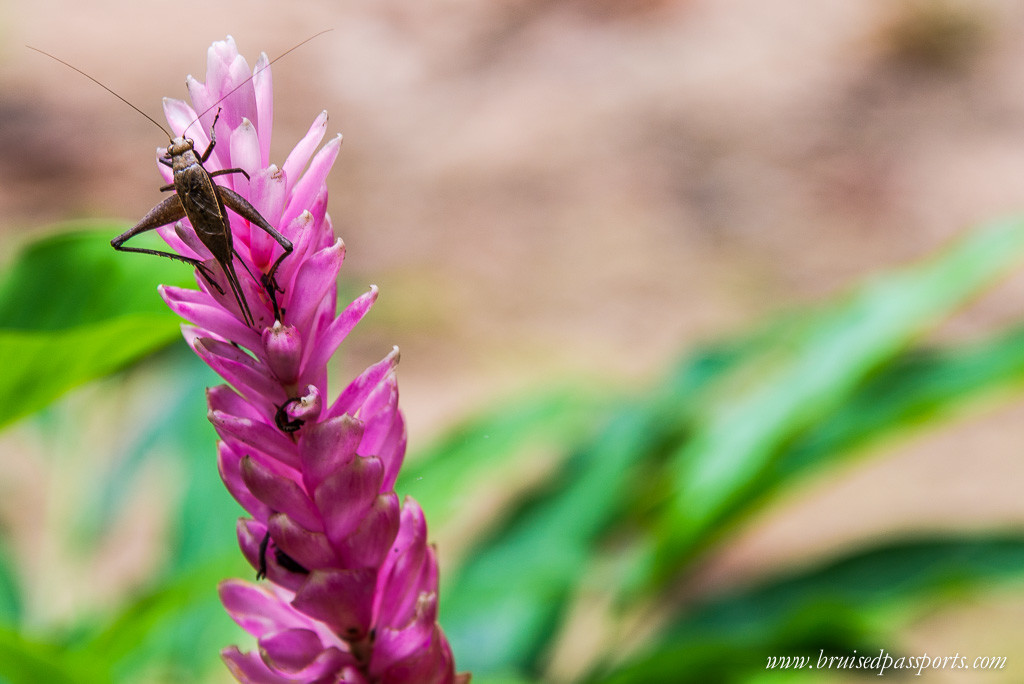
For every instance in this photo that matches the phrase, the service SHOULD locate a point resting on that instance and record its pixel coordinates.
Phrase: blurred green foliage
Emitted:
(72, 310)
(638, 488)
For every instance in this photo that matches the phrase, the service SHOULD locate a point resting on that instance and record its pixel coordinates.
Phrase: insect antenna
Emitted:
(258, 71)
(101, 85)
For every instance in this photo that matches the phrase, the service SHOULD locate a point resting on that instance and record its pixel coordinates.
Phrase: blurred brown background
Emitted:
(570, 188)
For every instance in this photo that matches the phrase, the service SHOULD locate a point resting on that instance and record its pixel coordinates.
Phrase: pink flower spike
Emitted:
(350, 591)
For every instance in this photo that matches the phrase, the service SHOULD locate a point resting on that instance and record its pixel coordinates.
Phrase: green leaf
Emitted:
(489, 448)
(855, 602)
(28, 661)
(501, 608)
(743, 431)
(71, 310)
(10, 588)
(180, 618)
(205, 512)
(917, 388)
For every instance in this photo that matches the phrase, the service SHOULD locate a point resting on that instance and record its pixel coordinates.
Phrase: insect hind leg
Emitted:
(195, 263)
(236, 290)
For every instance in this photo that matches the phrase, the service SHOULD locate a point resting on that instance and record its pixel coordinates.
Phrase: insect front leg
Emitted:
(213, 139)
(168, 211)
(222, 172)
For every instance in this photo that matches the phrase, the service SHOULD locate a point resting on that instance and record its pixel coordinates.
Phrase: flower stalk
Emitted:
(351, 590)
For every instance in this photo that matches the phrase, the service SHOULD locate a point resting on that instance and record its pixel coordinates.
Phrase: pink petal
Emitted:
(252, 535)
(229, 464)
(327, 447)
(307, 408)
(349, 400)
(267, 195)
(252, 292)
(202, 99)
(298, 232)
(191, 240)
(384, 433)
(338, 330)
(378, 413)
(345, 497)
(341, 598)
(179, 115)
(276, 488)
(323, 219)
(245, 154)
(429, 665)
(202, 310)
(306, 188)
(260, 551)
(219, 57)
(263, 87)
(240, 104)
(316, 277)
(322, 318)
(169, 234)
(290, 650)
(398, 584)
(257, 610)
(166, 174)
(250, 669)
(299, 156)
(246, 374)
(301, 653)
(261, 437)
(224, 399)
(368, 545)
(392, 451)
(393, 645)
(283, 347)
(309, 549)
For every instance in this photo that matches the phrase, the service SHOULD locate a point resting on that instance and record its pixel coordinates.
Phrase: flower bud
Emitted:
(283, 346)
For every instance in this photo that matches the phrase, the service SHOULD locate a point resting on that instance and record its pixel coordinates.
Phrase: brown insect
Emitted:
(204, 203)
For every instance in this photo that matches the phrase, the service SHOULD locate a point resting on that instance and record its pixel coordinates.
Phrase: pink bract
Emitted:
(352, 583)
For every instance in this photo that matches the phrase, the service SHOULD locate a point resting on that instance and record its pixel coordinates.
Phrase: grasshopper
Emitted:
(204, 203)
